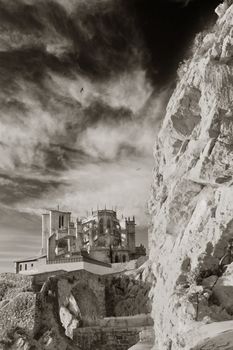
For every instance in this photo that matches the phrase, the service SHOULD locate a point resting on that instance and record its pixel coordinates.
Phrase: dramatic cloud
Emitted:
(83, 88)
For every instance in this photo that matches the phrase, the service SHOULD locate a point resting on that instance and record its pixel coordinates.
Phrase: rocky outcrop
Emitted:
(48, 316)
(81, 299)
(192, 197)
(31, 320)
(17, 306)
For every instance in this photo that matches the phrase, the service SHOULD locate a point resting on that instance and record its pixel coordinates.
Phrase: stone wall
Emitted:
(40, 278)
(106, 338)
(117, 333)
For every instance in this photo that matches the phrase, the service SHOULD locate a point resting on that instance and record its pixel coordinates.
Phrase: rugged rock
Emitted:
(69, 311)
(192, 196)
(67, 308)
(31, 320)
(127, 296)
(17, 305)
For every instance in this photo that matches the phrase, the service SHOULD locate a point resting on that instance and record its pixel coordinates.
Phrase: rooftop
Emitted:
(34, 258)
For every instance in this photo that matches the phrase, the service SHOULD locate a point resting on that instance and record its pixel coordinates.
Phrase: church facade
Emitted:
(100, 238)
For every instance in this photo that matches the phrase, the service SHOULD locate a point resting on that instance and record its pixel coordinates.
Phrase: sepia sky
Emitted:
(83, 89)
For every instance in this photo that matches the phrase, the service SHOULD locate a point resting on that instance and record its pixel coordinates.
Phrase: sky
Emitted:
(83, 90)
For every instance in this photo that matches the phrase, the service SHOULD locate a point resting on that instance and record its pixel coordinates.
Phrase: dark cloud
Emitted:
(60, 157)
(111, 43)
(30, 64)
(99, 39)
(98, 111)
(16, 188)
(83, 88)
(21, 16)
(15, 220)
(54, 139)
(71, 74)
(168, 28)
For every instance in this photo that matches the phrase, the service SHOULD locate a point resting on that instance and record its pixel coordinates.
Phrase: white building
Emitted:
(93, 243)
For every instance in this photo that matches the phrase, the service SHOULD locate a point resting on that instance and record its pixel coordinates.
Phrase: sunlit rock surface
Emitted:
(192, 196)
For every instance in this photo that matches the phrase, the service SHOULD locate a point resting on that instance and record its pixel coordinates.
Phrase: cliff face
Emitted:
(192, 199)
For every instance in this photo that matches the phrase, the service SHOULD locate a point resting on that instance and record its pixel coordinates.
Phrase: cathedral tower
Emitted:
(130, 231)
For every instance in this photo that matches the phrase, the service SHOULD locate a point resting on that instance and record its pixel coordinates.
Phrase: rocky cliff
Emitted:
(192, 195)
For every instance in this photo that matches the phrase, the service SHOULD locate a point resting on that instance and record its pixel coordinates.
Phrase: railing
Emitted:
(65, 260)
(78, 259)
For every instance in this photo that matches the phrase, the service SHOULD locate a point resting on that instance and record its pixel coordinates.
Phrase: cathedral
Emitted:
(100, 238)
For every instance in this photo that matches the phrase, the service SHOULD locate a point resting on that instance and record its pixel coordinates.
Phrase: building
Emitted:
(99, 239)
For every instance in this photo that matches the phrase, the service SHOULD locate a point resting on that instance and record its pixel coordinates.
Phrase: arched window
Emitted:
(101, 226)
(116, 259)
(124, 258)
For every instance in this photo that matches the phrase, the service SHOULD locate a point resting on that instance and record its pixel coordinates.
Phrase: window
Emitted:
(26, 267)
(31, 265)
(101, 226)
(61, 221)
(124, 258)
(20, 267)
(109, 224)
(116, 259)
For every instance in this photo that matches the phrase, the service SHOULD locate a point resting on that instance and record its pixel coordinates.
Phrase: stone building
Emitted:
(100, 238)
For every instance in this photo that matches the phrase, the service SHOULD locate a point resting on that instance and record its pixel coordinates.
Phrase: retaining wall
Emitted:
(99, 338)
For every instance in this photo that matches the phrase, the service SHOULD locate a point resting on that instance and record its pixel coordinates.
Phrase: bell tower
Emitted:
(45, 232)
(130, 231)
